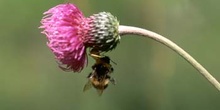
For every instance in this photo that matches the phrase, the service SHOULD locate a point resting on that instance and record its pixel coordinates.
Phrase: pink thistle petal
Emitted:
(61, 25)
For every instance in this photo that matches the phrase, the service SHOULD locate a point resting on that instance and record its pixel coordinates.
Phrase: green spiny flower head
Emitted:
(101, 32)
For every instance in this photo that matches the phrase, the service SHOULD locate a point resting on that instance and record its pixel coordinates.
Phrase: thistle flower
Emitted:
(69, 33)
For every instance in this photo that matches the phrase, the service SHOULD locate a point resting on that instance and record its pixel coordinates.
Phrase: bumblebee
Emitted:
(100, 77)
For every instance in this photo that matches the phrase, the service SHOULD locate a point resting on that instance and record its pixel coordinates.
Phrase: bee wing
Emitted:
(87, 86)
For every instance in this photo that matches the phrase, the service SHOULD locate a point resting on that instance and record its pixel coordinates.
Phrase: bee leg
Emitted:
(90, 75)
(111, 70)
(96, 56)
(113, 81)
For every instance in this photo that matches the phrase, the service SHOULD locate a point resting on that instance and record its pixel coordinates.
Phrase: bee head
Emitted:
(106, 59)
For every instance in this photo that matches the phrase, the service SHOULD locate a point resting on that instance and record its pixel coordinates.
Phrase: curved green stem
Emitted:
(125, 30)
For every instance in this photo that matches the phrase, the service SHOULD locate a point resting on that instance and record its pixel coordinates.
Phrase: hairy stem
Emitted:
(125, 30)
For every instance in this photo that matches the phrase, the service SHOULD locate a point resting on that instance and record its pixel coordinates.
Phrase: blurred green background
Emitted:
(149, 75)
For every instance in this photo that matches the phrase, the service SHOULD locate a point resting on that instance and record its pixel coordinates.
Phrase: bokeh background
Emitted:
(149, 75)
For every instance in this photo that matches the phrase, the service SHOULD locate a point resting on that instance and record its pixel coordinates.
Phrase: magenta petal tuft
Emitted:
(61, 25)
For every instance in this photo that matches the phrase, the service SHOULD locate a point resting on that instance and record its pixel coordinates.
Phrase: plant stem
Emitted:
(125, 30)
